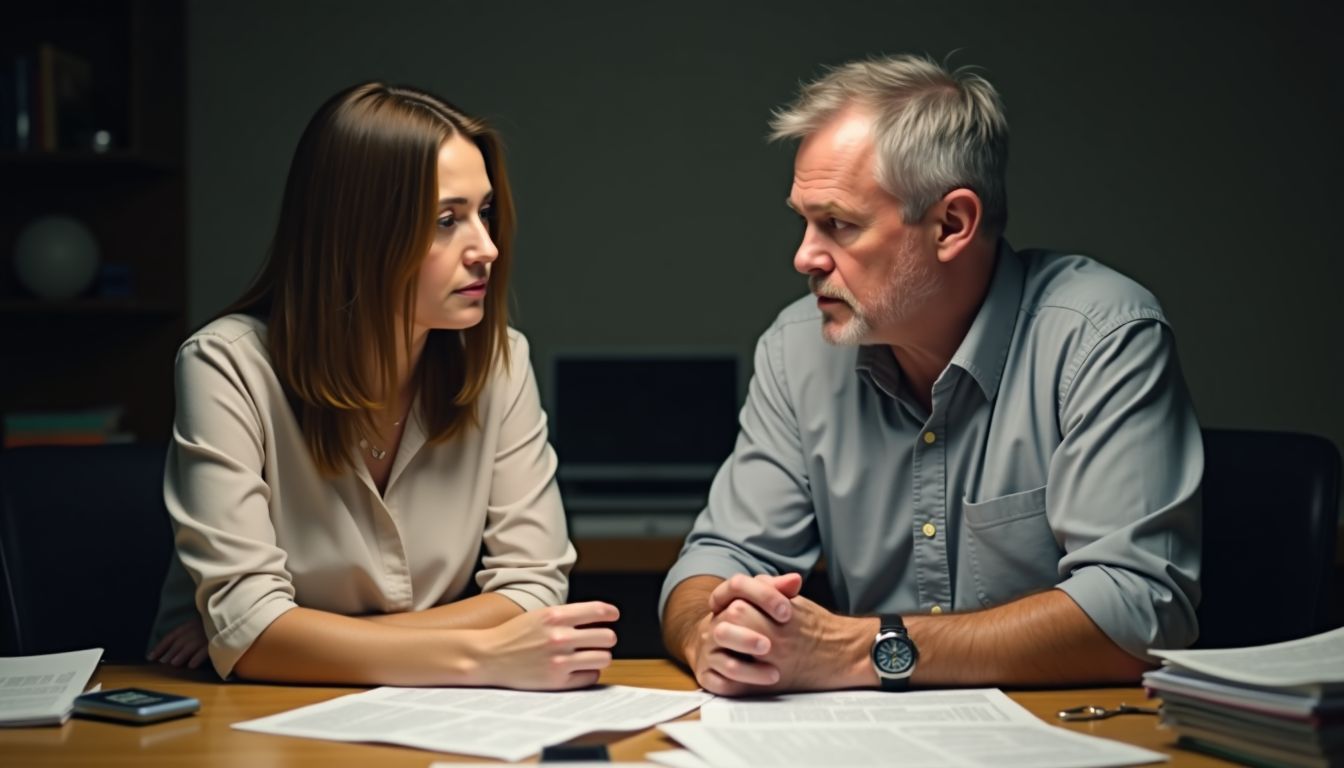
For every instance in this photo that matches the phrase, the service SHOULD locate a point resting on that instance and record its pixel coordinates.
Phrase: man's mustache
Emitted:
(820, 287)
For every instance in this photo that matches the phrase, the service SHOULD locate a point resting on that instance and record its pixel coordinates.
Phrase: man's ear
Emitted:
(959, 216)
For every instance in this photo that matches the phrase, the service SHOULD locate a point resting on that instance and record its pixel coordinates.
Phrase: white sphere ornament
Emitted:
(56, 257)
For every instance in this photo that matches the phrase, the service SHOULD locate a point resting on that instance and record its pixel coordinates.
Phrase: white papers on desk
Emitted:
(986, 705)
(39, 690)
(568, 764)
(1312, 665)
(924, 728)
(506, 725)
(676, 758)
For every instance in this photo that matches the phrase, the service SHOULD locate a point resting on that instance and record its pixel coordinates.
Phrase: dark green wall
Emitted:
(1194, 148)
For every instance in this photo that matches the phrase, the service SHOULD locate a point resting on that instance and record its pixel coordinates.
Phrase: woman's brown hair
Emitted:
(356, 220)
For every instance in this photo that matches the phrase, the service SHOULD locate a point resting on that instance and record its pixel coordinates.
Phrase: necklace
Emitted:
(377, 453)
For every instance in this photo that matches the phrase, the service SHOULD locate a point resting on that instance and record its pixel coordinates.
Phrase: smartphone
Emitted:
(135, 705)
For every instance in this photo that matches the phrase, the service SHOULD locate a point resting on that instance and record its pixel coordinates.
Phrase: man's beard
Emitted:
(847, 334)
(911, 282)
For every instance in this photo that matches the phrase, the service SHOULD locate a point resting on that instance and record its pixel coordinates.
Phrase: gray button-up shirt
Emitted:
(1061, 451)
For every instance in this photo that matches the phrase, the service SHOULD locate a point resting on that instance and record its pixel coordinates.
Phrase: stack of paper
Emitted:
(507, 725)
(865, 728)
(39, 690)
(1281, 704)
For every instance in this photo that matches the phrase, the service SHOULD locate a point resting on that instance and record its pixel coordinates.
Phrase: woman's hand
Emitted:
(184, 644)
(548, 649)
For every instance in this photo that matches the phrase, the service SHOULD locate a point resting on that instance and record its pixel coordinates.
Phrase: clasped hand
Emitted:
(761, 636)
(550, 648)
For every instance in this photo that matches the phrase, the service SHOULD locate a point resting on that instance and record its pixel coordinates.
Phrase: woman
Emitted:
(362, 425)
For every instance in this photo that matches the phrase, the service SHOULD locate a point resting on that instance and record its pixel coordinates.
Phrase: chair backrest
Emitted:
(1271, 506)
(84, 545)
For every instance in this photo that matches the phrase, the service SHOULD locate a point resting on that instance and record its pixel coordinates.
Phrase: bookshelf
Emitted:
(112, 157)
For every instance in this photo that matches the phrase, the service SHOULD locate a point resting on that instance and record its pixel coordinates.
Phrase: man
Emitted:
(994, 451)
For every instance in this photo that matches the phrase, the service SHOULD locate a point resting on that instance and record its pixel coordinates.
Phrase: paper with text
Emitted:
(39, 690)
(676, 758)
(490, 722)
(1311, 661)
(987, 705)
(918, 745)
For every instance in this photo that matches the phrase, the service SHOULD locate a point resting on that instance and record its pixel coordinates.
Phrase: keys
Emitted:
(1091, 712)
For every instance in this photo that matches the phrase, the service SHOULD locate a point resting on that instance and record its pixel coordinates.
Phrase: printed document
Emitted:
(981, 727)
(676, 758)
(39, 690)
(909, 745)
(986, 705)
(1311, 664)
(501, 724)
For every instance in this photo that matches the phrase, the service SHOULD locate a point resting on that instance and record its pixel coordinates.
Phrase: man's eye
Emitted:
(839, 224)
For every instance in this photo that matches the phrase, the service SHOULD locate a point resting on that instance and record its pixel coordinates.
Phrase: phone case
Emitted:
(136, 705)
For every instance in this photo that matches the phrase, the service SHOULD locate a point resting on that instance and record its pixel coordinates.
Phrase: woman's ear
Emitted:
(959, 217)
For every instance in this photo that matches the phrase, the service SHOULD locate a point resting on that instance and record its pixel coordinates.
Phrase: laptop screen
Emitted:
(647, 414)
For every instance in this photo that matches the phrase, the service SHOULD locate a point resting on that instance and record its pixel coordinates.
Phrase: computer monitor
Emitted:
(642, 428)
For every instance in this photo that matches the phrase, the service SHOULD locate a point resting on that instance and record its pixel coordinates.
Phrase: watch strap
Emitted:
(891, 622)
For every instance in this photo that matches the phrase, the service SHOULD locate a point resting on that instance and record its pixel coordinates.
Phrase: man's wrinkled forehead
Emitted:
(834, 172)
(844, 143)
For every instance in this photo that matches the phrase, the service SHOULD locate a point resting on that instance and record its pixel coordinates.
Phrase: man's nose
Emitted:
(812, 255)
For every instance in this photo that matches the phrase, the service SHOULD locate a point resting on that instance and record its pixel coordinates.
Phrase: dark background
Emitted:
(1195, 147)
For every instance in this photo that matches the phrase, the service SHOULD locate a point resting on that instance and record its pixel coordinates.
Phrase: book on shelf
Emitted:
(47, 101)
(16, 103)
(65, 95)
(1277, 704)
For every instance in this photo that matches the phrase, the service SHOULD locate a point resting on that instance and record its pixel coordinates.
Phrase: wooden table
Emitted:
(206, 739)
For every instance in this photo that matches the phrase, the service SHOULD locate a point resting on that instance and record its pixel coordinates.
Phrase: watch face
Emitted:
(894, 655)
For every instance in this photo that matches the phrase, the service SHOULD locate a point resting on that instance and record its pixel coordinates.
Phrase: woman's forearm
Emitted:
(309, 646)
(476, 612)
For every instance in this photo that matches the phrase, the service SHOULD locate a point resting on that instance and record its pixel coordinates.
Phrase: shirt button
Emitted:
(929, 437)
(929, 530)
(936, 609)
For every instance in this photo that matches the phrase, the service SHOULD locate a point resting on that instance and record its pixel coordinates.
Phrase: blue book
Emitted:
(22, 117)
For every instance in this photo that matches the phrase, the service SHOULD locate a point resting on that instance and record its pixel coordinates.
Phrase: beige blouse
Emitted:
(260, 530)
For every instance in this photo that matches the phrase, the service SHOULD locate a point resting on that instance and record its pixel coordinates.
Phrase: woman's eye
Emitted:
(448, 220)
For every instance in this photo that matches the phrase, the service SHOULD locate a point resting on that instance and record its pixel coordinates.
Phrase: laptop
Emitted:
(642, 430)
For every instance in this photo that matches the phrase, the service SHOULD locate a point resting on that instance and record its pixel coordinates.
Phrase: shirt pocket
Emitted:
(1011, 550)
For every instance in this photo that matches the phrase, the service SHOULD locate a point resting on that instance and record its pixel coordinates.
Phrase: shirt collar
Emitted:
(984, 350)
(876, 362)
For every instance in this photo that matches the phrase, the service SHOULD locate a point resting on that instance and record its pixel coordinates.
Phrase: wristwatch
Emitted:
(894, 654)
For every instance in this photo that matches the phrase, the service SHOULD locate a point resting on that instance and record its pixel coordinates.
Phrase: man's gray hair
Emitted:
(935, 130)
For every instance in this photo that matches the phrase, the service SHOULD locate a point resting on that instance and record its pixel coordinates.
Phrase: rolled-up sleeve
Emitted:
(1124, 491)
(759, 517)
(528, 554)
(219, 504)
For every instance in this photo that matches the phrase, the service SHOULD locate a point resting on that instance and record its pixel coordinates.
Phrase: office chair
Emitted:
(1271, 502)
(84, 545)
